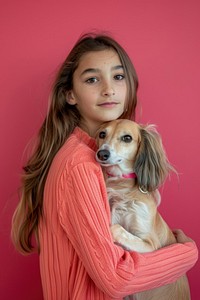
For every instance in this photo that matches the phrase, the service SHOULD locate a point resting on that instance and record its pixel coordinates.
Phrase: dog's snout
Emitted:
(103, 155)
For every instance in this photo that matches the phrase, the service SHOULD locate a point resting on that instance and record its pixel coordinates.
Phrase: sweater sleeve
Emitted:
(84, 215)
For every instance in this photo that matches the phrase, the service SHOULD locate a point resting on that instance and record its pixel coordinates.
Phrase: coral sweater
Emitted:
(78, 258)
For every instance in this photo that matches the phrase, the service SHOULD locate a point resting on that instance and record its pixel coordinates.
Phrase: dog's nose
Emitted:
(103, 155)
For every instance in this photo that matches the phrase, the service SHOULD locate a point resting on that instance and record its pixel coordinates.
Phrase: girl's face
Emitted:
(99, 89)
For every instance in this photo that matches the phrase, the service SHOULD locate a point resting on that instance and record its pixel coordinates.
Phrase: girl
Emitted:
(64, 200)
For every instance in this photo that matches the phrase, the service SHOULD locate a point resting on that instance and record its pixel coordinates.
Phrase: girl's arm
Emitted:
(84, 215)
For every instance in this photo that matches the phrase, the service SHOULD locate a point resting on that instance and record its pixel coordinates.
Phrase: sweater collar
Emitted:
(85, 138)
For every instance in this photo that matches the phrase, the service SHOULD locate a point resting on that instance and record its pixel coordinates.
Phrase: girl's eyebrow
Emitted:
(96, 70)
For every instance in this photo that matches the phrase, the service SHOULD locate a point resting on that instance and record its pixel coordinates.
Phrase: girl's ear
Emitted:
(70, 98)
(151, 165)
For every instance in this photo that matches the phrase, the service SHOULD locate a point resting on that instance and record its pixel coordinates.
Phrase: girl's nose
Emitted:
(109, 93)
(108, 90)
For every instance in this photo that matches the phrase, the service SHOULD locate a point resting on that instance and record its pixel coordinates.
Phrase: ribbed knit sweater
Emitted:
(78, 258)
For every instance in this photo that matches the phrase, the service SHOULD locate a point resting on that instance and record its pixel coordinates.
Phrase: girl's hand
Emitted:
(181, 237)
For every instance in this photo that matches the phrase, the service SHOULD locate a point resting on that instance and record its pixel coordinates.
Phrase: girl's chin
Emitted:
(111, 116)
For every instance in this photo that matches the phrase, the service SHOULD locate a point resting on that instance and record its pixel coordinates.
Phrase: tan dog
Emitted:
(135, 165)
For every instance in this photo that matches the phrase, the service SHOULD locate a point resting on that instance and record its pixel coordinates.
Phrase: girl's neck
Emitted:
(90, 129)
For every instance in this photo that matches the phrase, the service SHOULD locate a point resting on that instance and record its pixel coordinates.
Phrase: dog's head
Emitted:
(118, 144)
(130, 147)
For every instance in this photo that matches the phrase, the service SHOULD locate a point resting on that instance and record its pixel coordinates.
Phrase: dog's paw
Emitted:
(118, 233)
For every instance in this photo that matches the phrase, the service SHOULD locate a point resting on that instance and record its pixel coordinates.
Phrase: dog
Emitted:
(135, 165)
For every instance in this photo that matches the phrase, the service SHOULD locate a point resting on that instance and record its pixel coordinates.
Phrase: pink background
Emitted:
(162, 38)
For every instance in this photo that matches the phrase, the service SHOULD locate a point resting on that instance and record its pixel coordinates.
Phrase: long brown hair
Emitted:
(59, 123)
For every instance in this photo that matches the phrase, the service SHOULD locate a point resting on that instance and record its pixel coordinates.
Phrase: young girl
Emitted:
(64, 200)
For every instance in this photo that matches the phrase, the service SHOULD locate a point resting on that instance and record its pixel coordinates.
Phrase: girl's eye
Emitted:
(119, 77)
(126, 138)
(102, 134)
(91, 80)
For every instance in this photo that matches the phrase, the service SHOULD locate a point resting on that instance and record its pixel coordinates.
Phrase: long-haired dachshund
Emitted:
(135, 166)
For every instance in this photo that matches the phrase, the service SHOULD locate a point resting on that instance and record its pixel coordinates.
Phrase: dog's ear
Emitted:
(151, 165)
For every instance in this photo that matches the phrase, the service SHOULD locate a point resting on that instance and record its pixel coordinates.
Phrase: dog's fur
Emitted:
(126, 147)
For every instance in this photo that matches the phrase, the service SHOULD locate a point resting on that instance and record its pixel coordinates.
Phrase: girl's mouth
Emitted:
(108, 104)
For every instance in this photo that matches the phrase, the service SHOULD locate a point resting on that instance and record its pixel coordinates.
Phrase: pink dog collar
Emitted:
(130, 175)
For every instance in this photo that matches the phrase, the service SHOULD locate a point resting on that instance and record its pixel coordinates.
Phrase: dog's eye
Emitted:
(102, 135)
(126, 138)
